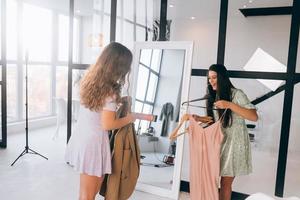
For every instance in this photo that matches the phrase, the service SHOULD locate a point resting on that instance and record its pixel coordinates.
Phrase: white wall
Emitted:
(244, 36)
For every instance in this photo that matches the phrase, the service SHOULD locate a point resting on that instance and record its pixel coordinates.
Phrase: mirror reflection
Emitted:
(158, 92)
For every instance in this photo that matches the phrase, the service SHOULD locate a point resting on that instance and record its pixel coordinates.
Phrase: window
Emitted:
(140, 34)
(39, 93)
(129, 10)
(0, 31)
(141, 12)
(63, 37)
(44, 63)
(12, 33)
(136, 18)
(152, 87)
(148, 78)
(107, 6)
(37, 36)
(12, 94)
(143, 75)
(61, 82)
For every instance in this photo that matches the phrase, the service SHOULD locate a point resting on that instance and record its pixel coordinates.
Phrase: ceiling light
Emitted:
(244, 6)
(250, 1)
(171, 5)
(193, 17)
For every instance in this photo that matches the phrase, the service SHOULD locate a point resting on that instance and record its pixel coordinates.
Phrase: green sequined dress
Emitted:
(236, 150)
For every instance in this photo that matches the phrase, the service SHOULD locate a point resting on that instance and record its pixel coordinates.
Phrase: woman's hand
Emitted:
(249, 114)
(222, 104)
(185, 117)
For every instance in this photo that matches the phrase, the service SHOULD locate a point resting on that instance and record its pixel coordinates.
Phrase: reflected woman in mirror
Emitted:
(235, 152)
(88, 150)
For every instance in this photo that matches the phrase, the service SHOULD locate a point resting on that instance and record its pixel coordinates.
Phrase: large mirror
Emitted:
(161, 77)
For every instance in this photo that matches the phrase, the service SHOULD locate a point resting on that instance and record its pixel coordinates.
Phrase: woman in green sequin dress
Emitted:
(235, 150)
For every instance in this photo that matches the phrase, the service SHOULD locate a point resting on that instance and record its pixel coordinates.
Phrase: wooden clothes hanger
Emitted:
(186, 117)
(203, 120)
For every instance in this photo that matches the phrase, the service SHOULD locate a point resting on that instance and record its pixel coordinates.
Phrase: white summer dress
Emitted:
(88, 150)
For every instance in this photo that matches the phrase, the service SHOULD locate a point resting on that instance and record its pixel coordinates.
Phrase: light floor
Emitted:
(154, 172)
(34, 178)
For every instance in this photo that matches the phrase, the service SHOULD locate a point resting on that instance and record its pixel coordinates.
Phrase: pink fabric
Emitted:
(205, 144)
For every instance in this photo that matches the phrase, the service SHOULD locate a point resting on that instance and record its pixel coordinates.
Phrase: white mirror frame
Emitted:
(172, 193)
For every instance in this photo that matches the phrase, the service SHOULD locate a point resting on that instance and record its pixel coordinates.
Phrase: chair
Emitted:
(61, 111)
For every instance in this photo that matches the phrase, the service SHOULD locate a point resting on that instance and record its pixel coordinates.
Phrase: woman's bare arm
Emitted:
(110, 122)
(249, 114)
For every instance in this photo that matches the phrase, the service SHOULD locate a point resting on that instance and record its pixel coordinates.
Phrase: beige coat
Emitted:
(125, 163)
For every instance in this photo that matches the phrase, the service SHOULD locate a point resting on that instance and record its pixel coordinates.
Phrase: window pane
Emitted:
(63, 37)
(156, 58)
(12, 33)
(142, 82)
(147, 109)
(37, 35)
(1, 113)
(98, 5)
(140, 34)
(292, 178)
(141, 12)
(150, 13)
(39, 90)
(145, 124)
(118, 31)
(138, 107)
(259, 36)
(146, 56)
(152, 87)
(76, 40)
(128, 10)
(61, 82)
(150, 36)
(107, 5)
(264, 146)
(12, 97)
(0, 33)
(77, 76)
(128, 35)
(106, 30)
(119, 7)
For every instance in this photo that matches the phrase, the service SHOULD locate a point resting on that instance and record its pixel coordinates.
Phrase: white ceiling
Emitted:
(184, 9)
(85, 6)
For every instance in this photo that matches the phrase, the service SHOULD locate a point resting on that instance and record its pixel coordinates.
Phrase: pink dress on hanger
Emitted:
(205, 144)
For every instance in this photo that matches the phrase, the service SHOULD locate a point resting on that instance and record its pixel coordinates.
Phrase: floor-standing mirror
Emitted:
(161, 78)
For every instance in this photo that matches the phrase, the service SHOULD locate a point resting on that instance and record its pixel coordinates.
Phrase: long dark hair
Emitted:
(223, 92)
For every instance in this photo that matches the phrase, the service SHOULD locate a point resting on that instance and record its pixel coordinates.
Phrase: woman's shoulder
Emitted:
(237, 93)
(234, 90)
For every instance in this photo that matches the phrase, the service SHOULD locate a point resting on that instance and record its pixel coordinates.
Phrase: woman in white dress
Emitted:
(88, 150)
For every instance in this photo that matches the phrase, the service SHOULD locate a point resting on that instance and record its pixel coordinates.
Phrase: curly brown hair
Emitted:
(106, 77)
